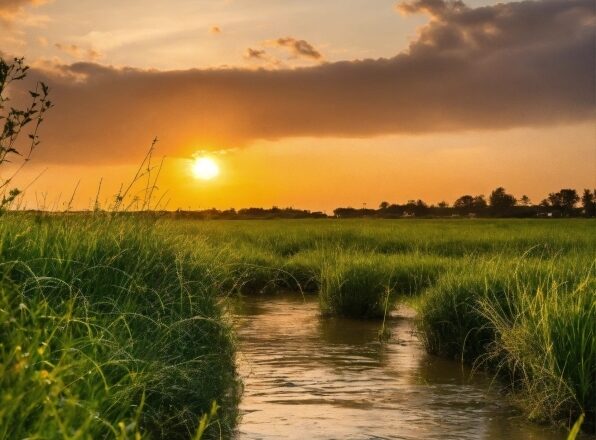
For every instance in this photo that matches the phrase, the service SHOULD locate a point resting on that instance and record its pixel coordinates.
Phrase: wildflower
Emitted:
(42, 348)
(20, 365)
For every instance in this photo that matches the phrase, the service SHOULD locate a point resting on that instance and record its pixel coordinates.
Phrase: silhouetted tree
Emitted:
(384, 205)
(468, 204)
(500, 200)
(589, 203)
(421, 208)
(394, 210)
(410, 207)
(345, 212)
(416, 207)
(479, 202)
(525, 200)
(564, 200)
(464, 204)
(443, 204)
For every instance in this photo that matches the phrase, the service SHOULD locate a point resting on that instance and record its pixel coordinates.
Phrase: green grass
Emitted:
(107, 324)
(545, 336)
(117, 328)
(360, 284)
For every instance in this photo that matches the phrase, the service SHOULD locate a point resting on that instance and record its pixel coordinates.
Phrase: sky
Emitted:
(306, 103)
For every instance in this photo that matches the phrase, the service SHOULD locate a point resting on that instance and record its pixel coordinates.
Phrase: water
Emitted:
(309, 377)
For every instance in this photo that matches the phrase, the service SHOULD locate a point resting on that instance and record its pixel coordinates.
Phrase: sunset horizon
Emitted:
(463, 98)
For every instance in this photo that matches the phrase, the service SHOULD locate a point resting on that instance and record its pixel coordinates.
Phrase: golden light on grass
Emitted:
(205, 168)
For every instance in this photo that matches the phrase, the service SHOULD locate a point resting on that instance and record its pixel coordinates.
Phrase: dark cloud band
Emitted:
(529, 63)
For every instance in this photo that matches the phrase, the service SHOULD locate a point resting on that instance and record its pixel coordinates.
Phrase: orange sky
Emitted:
(359, 103)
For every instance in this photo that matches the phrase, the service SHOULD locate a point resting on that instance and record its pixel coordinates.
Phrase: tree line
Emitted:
(248, 214)
(563, 203)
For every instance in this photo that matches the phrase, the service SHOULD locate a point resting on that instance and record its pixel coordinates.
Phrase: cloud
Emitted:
(263, 58)
(11, 9)
(510, 65)
(432, 7)
(298, 48)
(78, 52)
(255, 54)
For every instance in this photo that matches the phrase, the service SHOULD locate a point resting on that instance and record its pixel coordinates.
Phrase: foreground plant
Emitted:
(16, 123)
(531, 321)
(546, 338)
(108, 330)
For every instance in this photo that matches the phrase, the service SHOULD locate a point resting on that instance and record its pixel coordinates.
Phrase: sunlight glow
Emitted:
(205, 168)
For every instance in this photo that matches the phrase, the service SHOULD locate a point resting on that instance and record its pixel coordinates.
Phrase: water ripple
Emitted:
(308, 377)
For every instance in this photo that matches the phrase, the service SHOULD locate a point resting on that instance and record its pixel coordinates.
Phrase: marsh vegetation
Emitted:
(116, 326)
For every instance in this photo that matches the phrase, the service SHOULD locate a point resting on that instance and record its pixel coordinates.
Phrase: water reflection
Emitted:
(309, 377)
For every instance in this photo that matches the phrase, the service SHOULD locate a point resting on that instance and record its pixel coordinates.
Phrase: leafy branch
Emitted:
(16, 123)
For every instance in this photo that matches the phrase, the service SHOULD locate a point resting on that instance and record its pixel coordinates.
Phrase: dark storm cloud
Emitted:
(495, 67)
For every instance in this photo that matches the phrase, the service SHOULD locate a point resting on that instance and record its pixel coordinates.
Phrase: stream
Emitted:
(311, 377)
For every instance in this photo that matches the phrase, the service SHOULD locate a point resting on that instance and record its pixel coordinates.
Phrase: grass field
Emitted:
(116, 327)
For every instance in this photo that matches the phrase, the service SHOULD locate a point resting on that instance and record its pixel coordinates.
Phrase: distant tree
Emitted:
(525, 200)
(569, 197)
(384, 205)
(443, 204)
(345, 212)
(410, 207)
(421, 208)
(467, 204)
(464, 204)
(544, 203)
(394, 210)
(479, 202)
(564, 200)
(500, 200)
(589, 203)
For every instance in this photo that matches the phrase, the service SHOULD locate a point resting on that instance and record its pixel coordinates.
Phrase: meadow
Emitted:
(116, 325)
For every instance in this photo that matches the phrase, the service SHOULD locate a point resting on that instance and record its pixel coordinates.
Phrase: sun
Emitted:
(205, 168)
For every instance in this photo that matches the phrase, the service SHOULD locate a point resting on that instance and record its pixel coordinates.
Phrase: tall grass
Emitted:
(109, 329)
(53, 384)
(355, 286)
(546, 339)
(531, 320)
(361, 284)
(112, 326)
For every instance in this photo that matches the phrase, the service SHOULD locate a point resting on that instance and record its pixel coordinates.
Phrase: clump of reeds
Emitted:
(545, 338)
(355, 286)
(530, 320)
